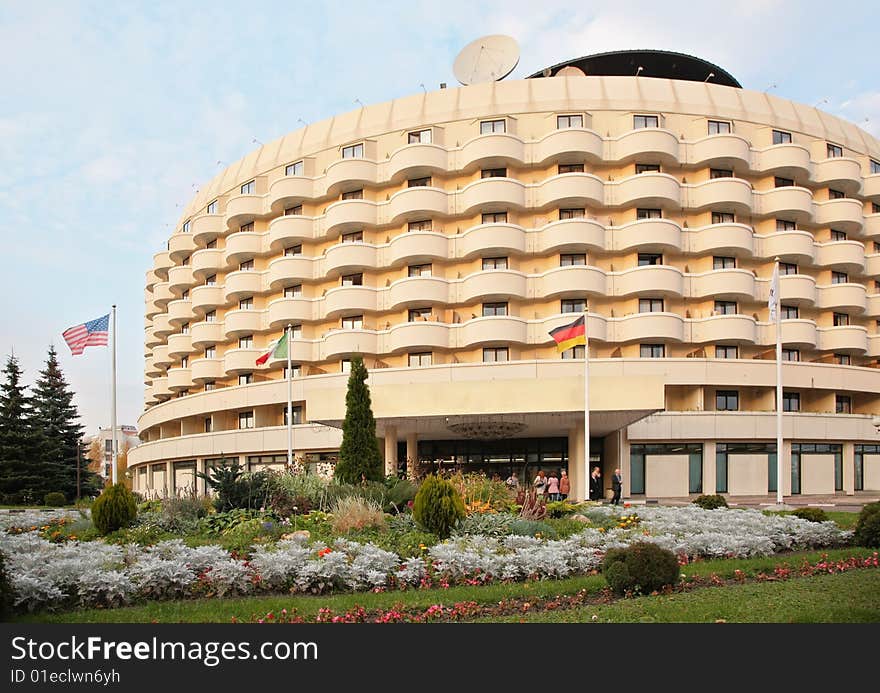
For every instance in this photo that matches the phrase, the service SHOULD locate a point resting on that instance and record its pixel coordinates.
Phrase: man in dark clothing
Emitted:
(616, 486)
(595, 485)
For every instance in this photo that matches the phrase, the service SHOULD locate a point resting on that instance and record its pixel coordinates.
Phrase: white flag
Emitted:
(774, 292)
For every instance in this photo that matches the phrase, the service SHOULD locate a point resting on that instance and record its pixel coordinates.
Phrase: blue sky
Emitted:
(112, 114)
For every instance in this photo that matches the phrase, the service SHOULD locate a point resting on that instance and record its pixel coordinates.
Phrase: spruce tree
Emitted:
(21, 481)
(359, 453)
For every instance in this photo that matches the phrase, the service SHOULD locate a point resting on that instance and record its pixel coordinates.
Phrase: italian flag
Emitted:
(277, 350)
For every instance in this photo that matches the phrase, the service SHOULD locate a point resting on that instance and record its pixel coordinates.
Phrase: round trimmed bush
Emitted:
(811, 514)
(532, 528)
(55, 499)
(711, 501)
(438, 506)
(115, 508)
(867, 532)
(640, 568)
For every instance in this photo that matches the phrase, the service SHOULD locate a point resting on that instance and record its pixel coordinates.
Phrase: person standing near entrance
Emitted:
(616, 486)
(595, 485)
(540, 483)
(553, 487)
(564, 485)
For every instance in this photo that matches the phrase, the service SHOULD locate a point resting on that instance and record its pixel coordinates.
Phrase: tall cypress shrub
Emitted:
(21, 478)
(359, 453)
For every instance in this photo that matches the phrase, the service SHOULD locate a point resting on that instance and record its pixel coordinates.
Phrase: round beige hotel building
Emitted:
(443, 235)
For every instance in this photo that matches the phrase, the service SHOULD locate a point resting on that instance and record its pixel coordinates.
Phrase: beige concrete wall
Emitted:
(817, 474)
(666, 476)
(871, 465)
(746, 475)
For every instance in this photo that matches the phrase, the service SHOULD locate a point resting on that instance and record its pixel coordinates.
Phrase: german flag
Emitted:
(569, 336)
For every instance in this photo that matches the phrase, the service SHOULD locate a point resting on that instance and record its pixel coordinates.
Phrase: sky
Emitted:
(113, 114)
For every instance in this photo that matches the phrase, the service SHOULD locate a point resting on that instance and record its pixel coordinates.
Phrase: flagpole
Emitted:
(778, 387)
(113, 397)
(289, 402)
(586, 476)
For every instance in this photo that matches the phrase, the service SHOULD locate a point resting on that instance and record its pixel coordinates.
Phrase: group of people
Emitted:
(554, 487)
(558, 487)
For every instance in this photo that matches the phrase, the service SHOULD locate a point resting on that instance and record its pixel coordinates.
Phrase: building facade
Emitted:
(443, 235)
(126, 439)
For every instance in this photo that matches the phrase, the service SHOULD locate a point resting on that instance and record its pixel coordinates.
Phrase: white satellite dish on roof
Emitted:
(488, 59)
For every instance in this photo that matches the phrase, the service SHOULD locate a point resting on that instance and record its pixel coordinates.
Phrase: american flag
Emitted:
(91, 333)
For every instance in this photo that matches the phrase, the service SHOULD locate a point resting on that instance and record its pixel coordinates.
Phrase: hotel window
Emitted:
(297, 414)
(652, 351)
(787, 268)
(494, 354)
(494, 218)
(791, 354)
(184, 294)
(182, 393)
(184, 328)
(835, 194)
(419, 182)
(352, 279)
(647, 168)
(185, 262)
(723, 218)
(785, 225)
(875, 208)
(246, 265)
(646, 259)
(719, 127)
(246, 228)
(245, 419)
(494, 309)
(211, 316)
(247, 303)
(573, 305)
(211, 352)
(186, 226)
(249, 188)
(842, 359)
(494, 263)
(353, 151)
(875, 166)
(834, 151)
(487, 127)
(576, 352)
(788, 312)
(421, 225)
(211, 244)
(838, 235)
(210, 385)
(292, 250)
(419, 314)
(353, 237)
(842, 404)
(720, 173)
(297, 168)
(725, 307)
(726, 400)
(419, 271)
(649, 214)
(345, 366)
(212, 207)
(779, 182)
(184, 362)
(245, 378)
(791, 401)
(723, 262)
(839, 278)
(780, 137)
(246, 342)
(569, 121)
(645, 121)
(297, 371)
(493, 173)
(353, 322)
(840, 319)
(353, 195)
(294, 211)
(577, 213)
(571, 260)
(650, 305)
(876, 247)
(877, 286)
(209, 422)
(296, 332)
(420, 359)
(571, 168)
(294, 291)
(726, 351)
(419, 137)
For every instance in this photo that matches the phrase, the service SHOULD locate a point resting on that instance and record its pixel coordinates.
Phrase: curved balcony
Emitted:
(497, 329)
(725, 151)
(150, 369)
(597, 327)
(416, 161)
(492, 284)
(290, 230)
(290, 191)
(489, 239)
(641, 327)
(160, 390)
(348, 299)
(161, 359)
(872, 264)
(161, 264)
(180, 311)
(179, 345)
(851, 339)
(349, 215)
(872, 226)
(844, 214)
(789, 246)
(342, 257)
(646, 190)
(787, 160)
(871, 186)
(180, 246)
(243, 246)
(180, 278)
(284, 311)
(571, 190)
(740, 329)
(205, 333)
(789, 202)
(873, 345)
(237, 361)
(839, 173)
(206, 262)
(289, 270)
(151, 280)
(725, 284)
(847, 256)
(568, 143)
(243, 209)
(242, 322)
(847, 298)
(571, 235)
(411, 336)
(151, 310)
(205, 298)
(417, 291)
(799, 334)
(721, 194)
(492, 193)
(206, 369)
(206, 228)
(179, 379)
(497, 149)
(657, 235)
(162, 326)
(350, 174)
(417, 203)
(415, 247)
(794, 289)
(571, 282)
(150, 338)
(872, 306)
(653, 280)
(722, 239)
(651, 142)
(242, 283)
(339, 343)
(162, 294)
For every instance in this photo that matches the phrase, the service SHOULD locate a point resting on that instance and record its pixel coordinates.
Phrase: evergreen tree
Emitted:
(359, 453)
(20, 480)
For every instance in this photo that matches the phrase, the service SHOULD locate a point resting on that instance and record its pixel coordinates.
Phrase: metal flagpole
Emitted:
(113, 399)
(289, 403)
(777, 311)
(586, 409)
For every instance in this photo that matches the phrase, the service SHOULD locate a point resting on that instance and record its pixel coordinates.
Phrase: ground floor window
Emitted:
(638, 453)
(722, 462)
(798, 449)
(261, 463)
(860, 452)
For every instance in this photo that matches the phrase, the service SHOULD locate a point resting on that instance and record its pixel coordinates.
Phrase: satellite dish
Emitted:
(488, 59)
